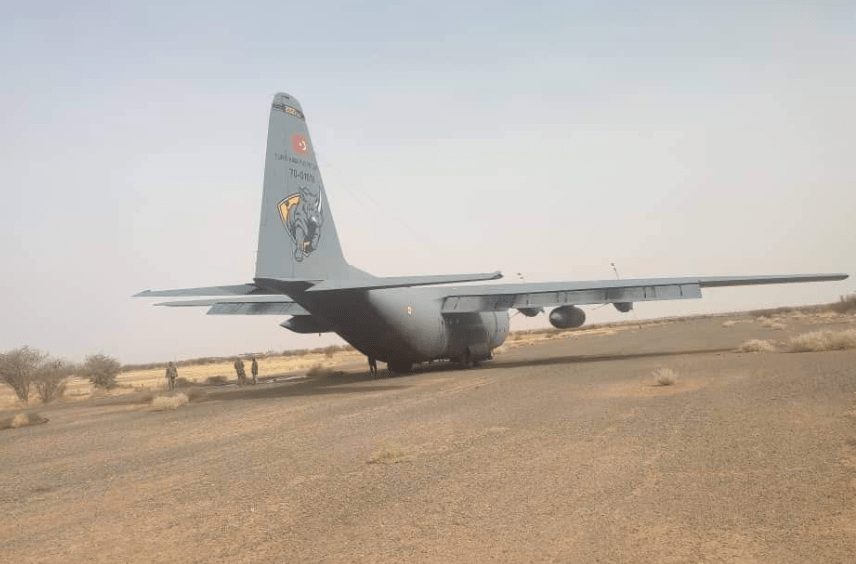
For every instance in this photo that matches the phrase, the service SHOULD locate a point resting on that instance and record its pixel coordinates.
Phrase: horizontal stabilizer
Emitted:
(251, 305)
(257, 308)
(375, 283)
(237, 290)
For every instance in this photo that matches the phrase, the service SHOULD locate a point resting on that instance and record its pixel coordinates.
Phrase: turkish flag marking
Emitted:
(299, 144)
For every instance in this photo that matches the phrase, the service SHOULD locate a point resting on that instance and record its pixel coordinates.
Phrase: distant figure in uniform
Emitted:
(171, 375)
(373, 366)
(239, 368)
(254, 368)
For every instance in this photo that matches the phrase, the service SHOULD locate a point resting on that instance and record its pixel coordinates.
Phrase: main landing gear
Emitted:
(467, 360)
(400, 367)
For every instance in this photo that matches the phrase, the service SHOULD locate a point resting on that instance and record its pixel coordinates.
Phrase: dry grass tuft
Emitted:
(729, 323)
(771, 323)
(756, 346)
(819, 341)
(161, 403)
(22, 420)
(319, 370)
(216, 380)
(665, 377)
(390, 454)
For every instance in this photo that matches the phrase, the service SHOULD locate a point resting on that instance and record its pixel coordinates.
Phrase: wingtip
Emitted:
(142, 294)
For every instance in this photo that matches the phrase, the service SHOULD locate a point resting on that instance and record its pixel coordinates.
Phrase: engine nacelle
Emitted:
(623, 307)
(567, 317)
(530, 311)
(306, 324)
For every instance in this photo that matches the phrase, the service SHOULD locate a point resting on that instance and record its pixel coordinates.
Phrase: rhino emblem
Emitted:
(303, 217)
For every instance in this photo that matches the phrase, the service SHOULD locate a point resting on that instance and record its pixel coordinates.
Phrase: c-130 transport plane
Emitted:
(301, 272)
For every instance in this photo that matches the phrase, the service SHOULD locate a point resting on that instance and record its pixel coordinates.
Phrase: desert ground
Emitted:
(561, 449)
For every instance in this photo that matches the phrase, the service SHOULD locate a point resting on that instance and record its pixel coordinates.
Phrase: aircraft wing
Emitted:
(500, 297)
(252, 305)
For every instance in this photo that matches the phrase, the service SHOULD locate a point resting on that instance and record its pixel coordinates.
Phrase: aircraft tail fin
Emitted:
(297, 236)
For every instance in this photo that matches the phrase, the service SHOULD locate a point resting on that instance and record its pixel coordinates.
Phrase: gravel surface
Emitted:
(564, 451)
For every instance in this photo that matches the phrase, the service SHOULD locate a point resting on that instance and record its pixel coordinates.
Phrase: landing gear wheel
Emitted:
(400, 367)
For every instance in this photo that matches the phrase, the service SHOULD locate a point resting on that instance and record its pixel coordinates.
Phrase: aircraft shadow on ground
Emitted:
(568, 359)
(345, 382)
(329, 384)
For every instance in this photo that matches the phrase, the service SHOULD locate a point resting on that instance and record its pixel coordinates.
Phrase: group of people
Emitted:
(172, 372)
(242, 376)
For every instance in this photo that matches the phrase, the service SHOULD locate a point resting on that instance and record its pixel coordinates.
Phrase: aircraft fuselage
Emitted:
(402, 326)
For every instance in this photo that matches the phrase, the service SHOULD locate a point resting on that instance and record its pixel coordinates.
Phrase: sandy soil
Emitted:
(557, 451)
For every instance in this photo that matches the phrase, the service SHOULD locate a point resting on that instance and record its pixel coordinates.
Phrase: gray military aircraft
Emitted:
(301, 272)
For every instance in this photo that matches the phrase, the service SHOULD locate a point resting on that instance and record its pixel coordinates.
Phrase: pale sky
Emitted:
(675, 138)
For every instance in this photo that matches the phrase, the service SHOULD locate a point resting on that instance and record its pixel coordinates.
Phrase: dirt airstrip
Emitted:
(561, 450)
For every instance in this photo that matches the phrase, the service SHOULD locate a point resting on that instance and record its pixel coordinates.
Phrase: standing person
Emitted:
(239, 368)
(373, 366)
(171, 375)
(254, 368)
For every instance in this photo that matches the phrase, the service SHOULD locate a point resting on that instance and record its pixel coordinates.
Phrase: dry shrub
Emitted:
(729, 323)
(161, 403)
(819, 341)
(665, 377)
(52, 389)
(845, 305)
(182, 382)
(23, 367)
(51, 379)
(319, 370)
(756, 346)
(18, 369)
(102, 370)
(390, 454)
(216, 380)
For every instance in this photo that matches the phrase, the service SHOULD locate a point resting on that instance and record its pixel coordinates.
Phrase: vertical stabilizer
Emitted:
(297, 236)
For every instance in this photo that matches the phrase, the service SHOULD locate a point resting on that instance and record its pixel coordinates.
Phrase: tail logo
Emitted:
(299, 144)
(303, 216)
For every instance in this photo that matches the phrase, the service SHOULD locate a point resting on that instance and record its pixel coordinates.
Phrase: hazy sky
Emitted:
(675, 138)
